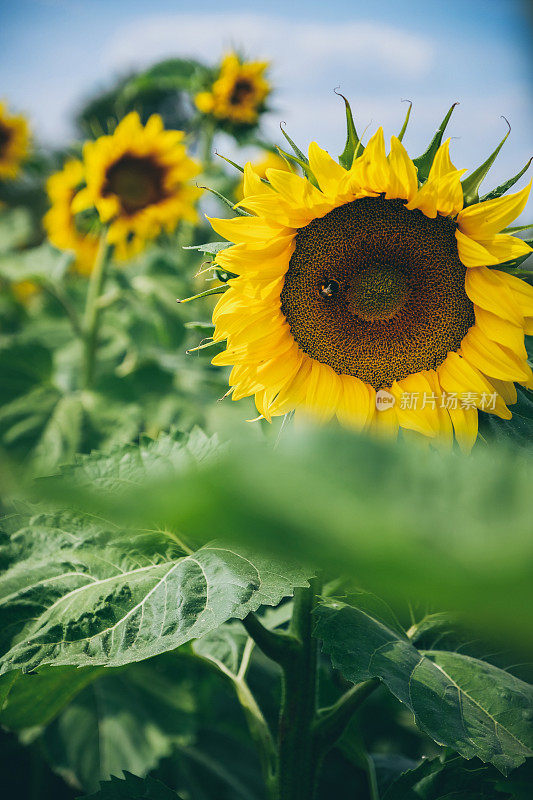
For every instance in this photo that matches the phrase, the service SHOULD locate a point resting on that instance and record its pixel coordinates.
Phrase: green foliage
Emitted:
(423, 163)
(133, 788)
(383, 509)
(468, 705)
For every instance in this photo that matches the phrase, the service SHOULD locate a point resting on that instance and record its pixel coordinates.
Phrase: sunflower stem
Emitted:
(93, 310)
(206, 148)
(297, 764)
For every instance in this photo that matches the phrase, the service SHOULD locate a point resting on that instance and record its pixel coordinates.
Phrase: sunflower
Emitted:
(364, 285)
(64, 228)
(14, 142)
(138, 180)
(269, 160)
(238, 94)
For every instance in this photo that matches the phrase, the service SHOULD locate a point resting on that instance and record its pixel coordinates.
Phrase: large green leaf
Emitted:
(34, 699)
(78, 590)
(126, 720)
(133, 788)
(469, 705)
(83, 593)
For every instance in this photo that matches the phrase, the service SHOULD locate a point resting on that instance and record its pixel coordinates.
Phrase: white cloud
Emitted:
(304, 48)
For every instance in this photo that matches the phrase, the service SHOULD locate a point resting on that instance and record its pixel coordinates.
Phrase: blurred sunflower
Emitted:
(65, 229)
(14, 142)
(138, 180)
(269, 160)
(238, 94)
(368, 281)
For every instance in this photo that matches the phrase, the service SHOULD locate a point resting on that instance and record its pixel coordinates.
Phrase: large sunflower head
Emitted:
(367, 290)
(138, 179)
(14, 143)
(239, 92)
(66, 230)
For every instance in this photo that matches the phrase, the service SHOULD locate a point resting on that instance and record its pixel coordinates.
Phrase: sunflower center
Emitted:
(376, 291)
(5, 137)
(242, 89)
(136, 180)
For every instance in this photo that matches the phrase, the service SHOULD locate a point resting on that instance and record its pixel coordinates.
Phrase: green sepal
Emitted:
(406, 120)
(473, 181)
(423, 163)
(353, 146)
(517, 228)
(294, 146)
(303, 164)
(504, 187)
(201, 347)
(214, 290)
(227, 201)
(233, 164)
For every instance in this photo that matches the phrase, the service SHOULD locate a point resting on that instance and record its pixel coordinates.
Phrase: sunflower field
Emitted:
(266, 439)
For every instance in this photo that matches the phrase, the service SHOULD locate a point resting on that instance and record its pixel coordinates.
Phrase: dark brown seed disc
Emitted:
(398, 303)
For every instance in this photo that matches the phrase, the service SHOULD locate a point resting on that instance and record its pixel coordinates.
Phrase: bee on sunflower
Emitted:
(14, 143)
(65, 230)
(375, 276)
(238, 93)
(138, 179)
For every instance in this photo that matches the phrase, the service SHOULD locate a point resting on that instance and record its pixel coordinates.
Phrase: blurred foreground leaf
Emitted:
(406, 523)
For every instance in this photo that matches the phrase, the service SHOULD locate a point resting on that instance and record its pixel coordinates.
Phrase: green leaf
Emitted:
(37, 697)
(39, 264)
(126, 720)
(15, 229)
(80, 591)
(210, 247)
(468, 705)
(224, 647)
(375, 509)
(504, 187)
(22, 367)
(423, 163)
(518, 430)
(473, 181)
(353, 144)
(455, 779)
(133, 788)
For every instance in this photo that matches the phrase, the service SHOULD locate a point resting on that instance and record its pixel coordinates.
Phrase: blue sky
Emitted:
(54, 53)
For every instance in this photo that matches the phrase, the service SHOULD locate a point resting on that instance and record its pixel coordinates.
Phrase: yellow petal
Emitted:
(403, 177)
(356, 404)
(486, 289)
(415, 406)
(325, 169)
(442, 164)
(323, 391)
(371, 171)
(458, 376)
(299, 193)
(252, 183)
(501, 330)
(245, 229)
(493, 359)
(521, 291)
(473, 254)
(465, 426)
(504, 247)
(506, 390)
(484, 220)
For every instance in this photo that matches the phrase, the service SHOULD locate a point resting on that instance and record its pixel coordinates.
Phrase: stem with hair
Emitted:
(91, 327)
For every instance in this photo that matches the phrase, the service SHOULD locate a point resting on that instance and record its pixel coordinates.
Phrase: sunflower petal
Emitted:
(403, 180)
(483, 220)
(493, 359)
(325, 169)
(356, 405)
